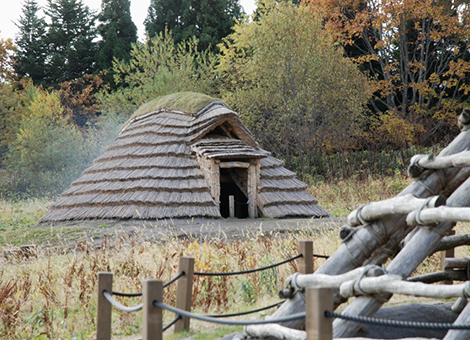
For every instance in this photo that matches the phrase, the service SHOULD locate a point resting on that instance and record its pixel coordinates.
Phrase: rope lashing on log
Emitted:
(226, 322)
(401, 205)
(419, 164)
(396, 323)
(437, 215)
(298, 282)
(355, 284)
(396, 285)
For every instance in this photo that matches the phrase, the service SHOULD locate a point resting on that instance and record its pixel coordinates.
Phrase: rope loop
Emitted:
(359, 216)
(418, 212)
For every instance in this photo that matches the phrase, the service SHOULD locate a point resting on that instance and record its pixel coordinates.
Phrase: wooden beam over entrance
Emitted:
(228, 165)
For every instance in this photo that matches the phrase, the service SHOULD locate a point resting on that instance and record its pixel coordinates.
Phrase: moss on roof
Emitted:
(188, 102)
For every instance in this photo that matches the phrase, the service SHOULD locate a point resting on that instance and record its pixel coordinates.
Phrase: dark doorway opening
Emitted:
(227, 188)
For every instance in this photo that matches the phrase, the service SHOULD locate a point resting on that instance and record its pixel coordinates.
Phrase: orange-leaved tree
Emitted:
(416, 54)
(6, 63)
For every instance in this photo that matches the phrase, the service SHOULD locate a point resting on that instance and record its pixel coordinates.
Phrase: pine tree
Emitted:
(71, 47)
(31, 53)
(118, 33)
(165, 14)
(207, 20)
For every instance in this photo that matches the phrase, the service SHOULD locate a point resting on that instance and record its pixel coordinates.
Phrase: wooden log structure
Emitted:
(453, 241)
(456, 263)
(382, 237)
(393, 206)
(436, 215)
(421, 245)
(420, 163)
(395, 285)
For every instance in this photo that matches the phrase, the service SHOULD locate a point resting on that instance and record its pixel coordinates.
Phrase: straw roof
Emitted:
(151, 172)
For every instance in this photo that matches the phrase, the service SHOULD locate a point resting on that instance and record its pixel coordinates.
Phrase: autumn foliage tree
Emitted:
(292, 86)
(416, 54)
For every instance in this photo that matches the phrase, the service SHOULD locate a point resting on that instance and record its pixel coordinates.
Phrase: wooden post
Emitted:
(445, 254)
(214, 181)
(152, 318)
(306, 261)
(184, 291)
(318, 326)
(103, 323)
(231, 205)
(253, 177)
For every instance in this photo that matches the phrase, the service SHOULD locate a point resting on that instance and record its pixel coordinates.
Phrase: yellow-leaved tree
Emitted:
(47, 152)
(292, 85)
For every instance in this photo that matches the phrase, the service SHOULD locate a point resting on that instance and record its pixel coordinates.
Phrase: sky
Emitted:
(11, 11)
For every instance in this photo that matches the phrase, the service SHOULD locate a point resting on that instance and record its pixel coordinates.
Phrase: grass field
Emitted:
(53, 295)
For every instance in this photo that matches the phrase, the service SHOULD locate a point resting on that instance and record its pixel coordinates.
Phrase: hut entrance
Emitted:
(233, 183)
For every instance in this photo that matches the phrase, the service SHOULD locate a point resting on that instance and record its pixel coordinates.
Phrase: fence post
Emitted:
(306, 261)
(103, 322)
(317, 325)
(444, 254)
(152, 318)
(184, 291)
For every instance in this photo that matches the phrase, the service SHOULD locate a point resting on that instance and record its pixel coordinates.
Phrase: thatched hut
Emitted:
(183, 156)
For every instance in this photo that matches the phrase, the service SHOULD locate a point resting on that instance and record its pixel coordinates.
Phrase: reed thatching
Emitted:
(151, 169)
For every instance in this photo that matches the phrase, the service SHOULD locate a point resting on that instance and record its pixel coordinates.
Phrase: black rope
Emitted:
(119, 306)
(127, 294)
(226, 322)
(174, 279)
(251, 270)
(396, 323)
(171, 323)
(321, 256)
(245, 313)
(140, 294)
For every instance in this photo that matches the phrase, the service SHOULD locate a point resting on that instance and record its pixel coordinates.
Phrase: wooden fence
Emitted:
(152, 291)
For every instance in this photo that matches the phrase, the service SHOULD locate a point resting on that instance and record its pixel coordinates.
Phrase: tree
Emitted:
(207, 20)
(6, 50)
(118, 32)
(47, 152)
(292, 85)
(72, 50)
(157, 68)
(31, 53)
(416, 54)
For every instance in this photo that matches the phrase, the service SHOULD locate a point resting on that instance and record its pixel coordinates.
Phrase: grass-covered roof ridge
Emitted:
(187, 102)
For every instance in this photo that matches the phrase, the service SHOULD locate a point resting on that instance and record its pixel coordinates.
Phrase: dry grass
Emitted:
(22, 214)
(339, 198)
(54, 295)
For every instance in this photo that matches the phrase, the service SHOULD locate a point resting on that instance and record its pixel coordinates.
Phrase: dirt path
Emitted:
(68, 233)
